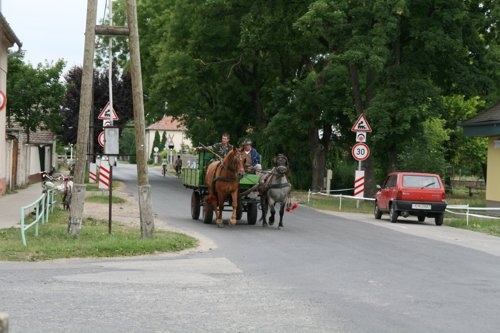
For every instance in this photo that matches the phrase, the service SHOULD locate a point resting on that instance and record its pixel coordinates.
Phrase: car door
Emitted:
(387, 192)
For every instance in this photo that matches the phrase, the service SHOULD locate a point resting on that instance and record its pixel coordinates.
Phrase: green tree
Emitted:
(163, 141)
(296, 75)
(35, 94)
(156, 144)
(402, 57)
(122, 103)
(127, 142)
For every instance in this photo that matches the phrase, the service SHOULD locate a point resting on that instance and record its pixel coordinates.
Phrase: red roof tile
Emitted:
(168, 123)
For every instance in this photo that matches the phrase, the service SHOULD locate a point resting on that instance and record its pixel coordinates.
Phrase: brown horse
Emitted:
(223, 182)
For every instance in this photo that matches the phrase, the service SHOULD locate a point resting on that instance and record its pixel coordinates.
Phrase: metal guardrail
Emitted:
(42, 206)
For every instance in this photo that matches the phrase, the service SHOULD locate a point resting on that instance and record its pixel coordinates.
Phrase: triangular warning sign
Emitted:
(361, 125)
(108, 113)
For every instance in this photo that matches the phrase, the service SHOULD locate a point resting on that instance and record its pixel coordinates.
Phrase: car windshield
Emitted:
(421, 181)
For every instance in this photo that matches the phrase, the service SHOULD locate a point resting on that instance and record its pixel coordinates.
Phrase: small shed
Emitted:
(487, 124)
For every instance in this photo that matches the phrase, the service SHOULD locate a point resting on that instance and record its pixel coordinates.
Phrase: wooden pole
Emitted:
(145, 200)
(78, 195)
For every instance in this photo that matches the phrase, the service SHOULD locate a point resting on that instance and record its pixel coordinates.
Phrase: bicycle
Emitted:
(164, 169)
(178, 171)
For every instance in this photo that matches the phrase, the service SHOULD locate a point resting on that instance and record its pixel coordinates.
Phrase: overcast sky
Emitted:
(50, 29)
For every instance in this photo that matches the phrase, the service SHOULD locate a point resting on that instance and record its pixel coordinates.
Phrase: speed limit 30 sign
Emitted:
(360, 151)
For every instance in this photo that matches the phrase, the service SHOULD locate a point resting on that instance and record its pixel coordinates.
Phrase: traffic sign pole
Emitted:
(360, 150)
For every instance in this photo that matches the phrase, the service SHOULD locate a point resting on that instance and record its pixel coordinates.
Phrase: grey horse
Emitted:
(274, 188)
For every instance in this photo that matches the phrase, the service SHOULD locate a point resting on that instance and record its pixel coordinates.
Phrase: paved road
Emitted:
(322, 273)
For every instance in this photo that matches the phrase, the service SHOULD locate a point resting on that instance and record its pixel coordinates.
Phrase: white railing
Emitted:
(452, 209)
(468, 210)
(340, 196)
(42, 207)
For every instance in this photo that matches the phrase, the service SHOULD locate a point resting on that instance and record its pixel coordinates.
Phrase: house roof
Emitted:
(168, 123)
(42, 137)
(9, 33)
(485, 123)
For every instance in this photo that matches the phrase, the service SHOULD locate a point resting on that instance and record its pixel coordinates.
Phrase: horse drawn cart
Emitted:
(194, 179)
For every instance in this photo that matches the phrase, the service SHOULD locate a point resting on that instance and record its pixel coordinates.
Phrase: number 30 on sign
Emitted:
(360, 151)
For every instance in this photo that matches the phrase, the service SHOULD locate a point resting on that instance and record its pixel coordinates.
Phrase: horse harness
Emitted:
(266, 183)
(215, 178)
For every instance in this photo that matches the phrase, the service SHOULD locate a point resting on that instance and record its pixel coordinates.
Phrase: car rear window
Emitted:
(421, 181)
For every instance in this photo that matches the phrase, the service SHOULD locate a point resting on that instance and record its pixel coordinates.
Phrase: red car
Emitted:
(411, 193)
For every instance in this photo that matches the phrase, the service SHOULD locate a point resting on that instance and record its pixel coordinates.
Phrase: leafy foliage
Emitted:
(295, 75)
(35, 94)
(122, 104)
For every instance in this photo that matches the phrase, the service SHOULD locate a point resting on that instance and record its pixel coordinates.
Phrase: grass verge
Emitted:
(460, 196)
(53, 241)
(99, 198)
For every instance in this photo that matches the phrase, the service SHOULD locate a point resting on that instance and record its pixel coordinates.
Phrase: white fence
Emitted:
(464, 210)
(42, 206)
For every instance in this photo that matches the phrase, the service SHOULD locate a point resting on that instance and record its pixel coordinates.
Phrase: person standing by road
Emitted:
(178, 165)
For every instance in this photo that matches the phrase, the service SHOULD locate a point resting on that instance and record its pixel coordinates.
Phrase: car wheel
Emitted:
(393, 214)
(376, 212)
(421, 218)
(439, 219)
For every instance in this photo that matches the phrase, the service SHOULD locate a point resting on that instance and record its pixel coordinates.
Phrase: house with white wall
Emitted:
(175, 133)
(7, 39)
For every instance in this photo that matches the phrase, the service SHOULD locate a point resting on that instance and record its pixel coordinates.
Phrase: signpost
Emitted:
(108, 139)
(360, 151)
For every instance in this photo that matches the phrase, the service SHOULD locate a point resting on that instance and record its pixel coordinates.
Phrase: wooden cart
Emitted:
(194, 179)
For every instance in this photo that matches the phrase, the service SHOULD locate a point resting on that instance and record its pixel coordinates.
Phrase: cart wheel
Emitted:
(208, 212)
(239, 211)
(195, 205)
(252, 213)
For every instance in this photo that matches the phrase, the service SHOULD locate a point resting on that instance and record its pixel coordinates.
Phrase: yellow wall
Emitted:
(492, 173)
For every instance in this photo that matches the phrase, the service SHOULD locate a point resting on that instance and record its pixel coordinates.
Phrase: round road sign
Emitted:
(3, 100)
(360, 151)
(100, 139)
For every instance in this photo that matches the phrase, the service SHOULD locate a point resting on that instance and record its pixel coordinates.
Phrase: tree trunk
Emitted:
(318, 161)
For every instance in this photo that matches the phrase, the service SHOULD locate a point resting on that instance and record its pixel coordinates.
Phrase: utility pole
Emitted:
(78, 196)
(145, 199)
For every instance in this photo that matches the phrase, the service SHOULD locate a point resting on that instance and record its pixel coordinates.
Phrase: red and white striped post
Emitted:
(359, 184)
(104, 175)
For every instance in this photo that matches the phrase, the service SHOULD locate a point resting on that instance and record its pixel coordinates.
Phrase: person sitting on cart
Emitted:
(252, 159)
(220, 148)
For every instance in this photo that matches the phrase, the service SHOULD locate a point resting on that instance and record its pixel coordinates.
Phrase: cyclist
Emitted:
(164, 167)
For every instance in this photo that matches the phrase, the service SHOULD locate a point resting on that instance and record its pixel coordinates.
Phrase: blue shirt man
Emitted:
(252, 160)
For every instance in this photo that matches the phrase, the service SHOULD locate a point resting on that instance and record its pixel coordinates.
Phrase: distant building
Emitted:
(175, 133)
(487, 124)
